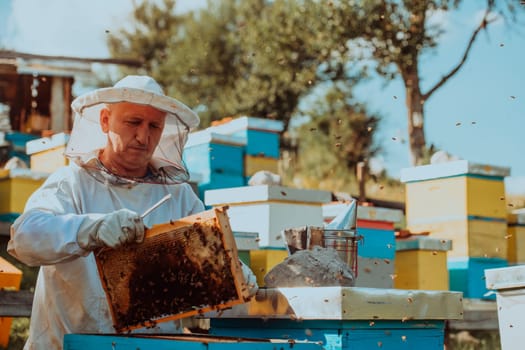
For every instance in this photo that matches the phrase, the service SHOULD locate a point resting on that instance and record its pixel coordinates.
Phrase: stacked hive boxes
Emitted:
(465, 203)
(47, 153)
(262, 142)
(268, 210)
(214, 160)
(376, 252)
(228, 154)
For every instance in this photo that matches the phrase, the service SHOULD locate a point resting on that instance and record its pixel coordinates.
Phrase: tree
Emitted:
(398, 34)
(337, 137)
(250, 57)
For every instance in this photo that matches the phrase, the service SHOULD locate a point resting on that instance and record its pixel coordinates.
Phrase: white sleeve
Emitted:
(43, 238)
(46, 233)
(197, 205)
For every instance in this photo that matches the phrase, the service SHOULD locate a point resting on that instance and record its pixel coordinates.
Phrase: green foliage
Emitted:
(153, 35)
(249, 57)
(338, 136)
(19, 333)
(474, 340)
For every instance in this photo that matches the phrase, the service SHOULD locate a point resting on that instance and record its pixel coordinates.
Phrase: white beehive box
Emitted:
(509, 284)
(270, 209)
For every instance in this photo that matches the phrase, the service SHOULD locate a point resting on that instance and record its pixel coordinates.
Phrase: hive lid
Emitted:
(182, 268)
(246, 240)
(452, 168)
(423, 243)
(365, 212)
(350, 303)
(264, 193)
(505, 277)
(28, 174)
(517, 217)
(46, 143)
(206, 136)
(244, 123)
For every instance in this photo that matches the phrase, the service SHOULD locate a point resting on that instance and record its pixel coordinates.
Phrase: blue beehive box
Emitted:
(18, 141)
(337, 335)
(178, 342)
(467, 275)
(6, 220)
(262, 136)
(216, 161)
(207, 152)
(262, 143)
(377, 243)
(215, 181)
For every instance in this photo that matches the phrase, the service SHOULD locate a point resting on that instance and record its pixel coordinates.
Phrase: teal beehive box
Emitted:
(261, 135)
(467, 275)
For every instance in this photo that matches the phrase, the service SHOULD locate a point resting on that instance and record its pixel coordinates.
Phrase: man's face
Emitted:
(134, 132)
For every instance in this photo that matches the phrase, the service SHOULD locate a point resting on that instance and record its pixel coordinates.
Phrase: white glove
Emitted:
(251, 280)
(110, 230)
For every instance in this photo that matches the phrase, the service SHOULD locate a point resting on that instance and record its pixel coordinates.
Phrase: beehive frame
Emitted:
(183, 268)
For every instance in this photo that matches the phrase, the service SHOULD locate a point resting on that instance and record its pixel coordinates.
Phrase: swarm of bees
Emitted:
(178, 272)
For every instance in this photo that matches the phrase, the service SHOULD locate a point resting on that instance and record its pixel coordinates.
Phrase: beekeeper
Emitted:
(125, 154)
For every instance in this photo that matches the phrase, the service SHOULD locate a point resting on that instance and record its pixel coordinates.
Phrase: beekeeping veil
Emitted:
(87, 137)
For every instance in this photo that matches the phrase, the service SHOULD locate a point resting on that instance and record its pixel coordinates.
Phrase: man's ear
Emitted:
(104, 119)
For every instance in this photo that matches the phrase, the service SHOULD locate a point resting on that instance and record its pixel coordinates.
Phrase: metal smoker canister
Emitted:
(345, 243)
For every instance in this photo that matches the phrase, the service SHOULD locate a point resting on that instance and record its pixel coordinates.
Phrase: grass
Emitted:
(474, 340)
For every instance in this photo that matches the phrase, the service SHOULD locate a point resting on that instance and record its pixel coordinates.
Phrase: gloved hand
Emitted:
(110, 230)
(251, 280)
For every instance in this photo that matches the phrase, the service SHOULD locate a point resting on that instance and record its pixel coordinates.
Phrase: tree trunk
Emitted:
(415, 108)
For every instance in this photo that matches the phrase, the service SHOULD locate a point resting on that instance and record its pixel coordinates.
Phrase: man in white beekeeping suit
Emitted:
(126, 154)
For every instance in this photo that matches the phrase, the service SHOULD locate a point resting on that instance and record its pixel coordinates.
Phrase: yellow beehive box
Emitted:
(421, 263)
(5, 194)
(47, 153)
(263, 260)
(516, 238)
(454, 189)
(20, 186)
(10, 278)
(253, 164)
(470, 237)
(48, 161)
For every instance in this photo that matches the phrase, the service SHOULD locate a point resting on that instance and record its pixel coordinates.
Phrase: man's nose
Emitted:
(142, 134)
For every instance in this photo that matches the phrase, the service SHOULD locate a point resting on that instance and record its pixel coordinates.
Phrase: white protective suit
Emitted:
(69, 297)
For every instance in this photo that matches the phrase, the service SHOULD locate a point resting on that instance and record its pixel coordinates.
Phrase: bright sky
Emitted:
(479, 115)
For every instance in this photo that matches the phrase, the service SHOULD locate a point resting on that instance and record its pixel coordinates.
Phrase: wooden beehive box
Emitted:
(182, 268)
